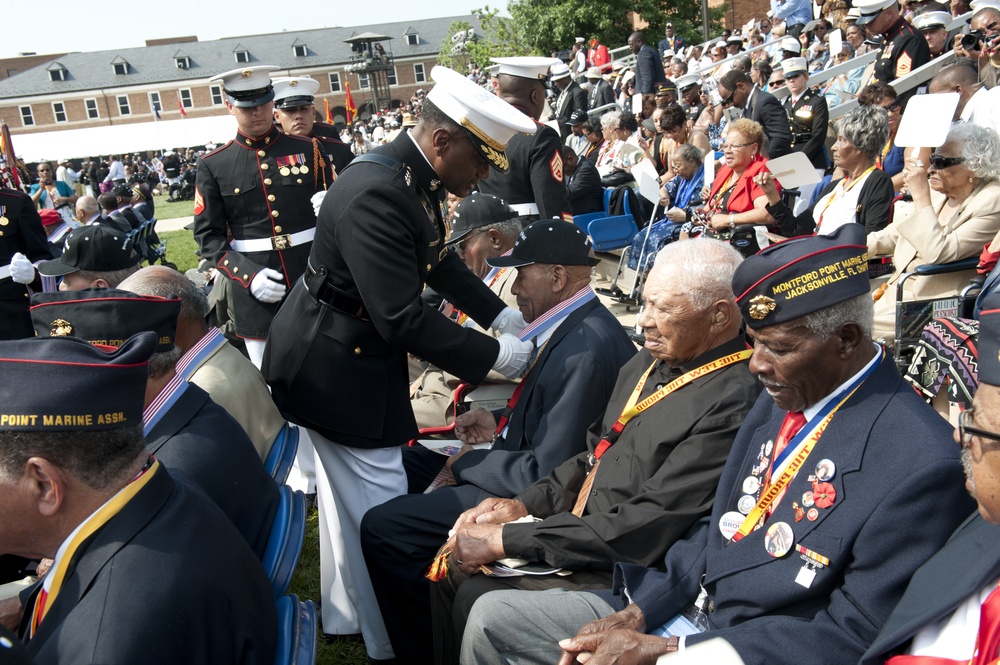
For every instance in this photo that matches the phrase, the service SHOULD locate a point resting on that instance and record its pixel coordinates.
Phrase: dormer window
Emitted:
(183, 62)
(120, 66)
(57, 72)
(412, 37)
(299, 49)
(241, 54)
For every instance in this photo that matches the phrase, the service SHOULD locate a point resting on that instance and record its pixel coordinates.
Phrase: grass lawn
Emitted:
(181, 247)
(167, 209)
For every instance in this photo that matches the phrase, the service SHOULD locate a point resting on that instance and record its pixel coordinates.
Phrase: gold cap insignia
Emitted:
(293, 83)
(760, 307)
(246, 73)
(434, 185)
(61, 328)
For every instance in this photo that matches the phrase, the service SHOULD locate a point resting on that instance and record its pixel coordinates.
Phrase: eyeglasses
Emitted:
(777, 81)
(728, 101)
(463, 245)
(966, 431)
(941, 162)
(893, 108)
(733, 146)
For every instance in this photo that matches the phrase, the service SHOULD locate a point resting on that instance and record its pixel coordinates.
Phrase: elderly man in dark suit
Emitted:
(183, 427)
(583, 183)
(949, 609)
(146, 569)
(803, 548)
(580, 348)
(736, 89)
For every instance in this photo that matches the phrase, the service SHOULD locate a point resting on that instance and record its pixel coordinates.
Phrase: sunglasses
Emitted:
(966, 431)
(941, 162)
(728, 101)
(893, 108)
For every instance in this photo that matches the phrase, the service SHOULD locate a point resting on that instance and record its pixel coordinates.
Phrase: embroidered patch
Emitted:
(556, 166)
(903, 65)
(199, 202)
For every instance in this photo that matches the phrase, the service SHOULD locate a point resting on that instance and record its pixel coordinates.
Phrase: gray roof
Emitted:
(155, 64)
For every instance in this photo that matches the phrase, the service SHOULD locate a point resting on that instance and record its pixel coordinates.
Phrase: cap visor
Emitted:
(251, 103)
(865, 20)
(496, 158)
(507, 262)
(55, 268)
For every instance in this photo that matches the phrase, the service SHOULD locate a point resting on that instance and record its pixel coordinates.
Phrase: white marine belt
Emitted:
(5, 271)
(523, 209)
(275, 243)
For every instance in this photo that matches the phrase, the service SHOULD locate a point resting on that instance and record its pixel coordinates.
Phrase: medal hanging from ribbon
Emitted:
(797, 451)
(632, 410)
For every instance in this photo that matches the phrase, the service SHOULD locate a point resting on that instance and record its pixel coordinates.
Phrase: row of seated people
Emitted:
(646, 519)
(203, 421)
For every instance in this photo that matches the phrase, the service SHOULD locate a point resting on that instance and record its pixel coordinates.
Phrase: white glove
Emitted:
(509, 322)
(317, 201)
(513, 357)
(266, 286)
(21, 270)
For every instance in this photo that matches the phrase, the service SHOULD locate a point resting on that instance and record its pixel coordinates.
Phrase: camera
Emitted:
(974, 40)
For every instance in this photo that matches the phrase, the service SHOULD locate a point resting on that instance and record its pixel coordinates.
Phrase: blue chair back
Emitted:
(284, 544)
(281, 456)
(297, 631)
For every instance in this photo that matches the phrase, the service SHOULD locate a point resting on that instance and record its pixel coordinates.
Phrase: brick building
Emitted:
(120, 87)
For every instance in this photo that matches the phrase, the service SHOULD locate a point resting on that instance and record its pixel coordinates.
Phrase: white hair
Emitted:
(704, 268)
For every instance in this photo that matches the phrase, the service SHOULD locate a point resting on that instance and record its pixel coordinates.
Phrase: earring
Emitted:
(970, 178)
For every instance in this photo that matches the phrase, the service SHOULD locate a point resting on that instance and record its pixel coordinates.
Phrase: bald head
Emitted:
(162, 282)
(529, 94)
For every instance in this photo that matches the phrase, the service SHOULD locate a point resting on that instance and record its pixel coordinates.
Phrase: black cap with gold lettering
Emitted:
(105, 317)
(801, 276)
(989, 340)
(66, 384)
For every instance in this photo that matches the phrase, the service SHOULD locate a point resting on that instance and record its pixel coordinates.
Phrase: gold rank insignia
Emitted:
(760, 307)
(434, 185)
(60, 328)
(246, 73)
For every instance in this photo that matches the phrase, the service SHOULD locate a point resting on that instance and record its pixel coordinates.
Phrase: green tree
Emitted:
(450, 54)
(553, 24)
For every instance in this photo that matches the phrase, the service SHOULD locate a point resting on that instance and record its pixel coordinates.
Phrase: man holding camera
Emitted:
(981, 45)
(904, 48)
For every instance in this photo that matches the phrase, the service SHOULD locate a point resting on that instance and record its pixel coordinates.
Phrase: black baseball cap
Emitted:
(989, 340)
(477, 211)
(578, 117)
(97, 248)
(549, 241)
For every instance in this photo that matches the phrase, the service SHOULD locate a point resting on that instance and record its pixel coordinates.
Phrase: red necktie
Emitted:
(987, 639)
(794, 420)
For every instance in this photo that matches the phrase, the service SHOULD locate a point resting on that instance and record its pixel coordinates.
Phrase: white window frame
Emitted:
(124, 68)
(187, 103)
(27, 117)
(244, 54)
(300, 50)
(182, 62)
(57, 74)
(217, 94)
(96, 109)
(61, 110)
(364, 82)
(123, 108)
(413, 39)
(419, 73)
(155, 101)
(391, 77)
(335, 84)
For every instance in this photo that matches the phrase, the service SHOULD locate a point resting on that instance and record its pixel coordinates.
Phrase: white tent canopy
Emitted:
(120, 139)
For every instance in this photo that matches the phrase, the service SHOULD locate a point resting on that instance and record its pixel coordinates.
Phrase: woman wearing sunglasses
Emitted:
(956, 211)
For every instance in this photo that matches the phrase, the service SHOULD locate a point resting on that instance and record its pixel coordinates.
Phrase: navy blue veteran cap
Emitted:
(96, 248)
(800, 276)
(247, 87)
(106, 317)
(549, 241)
(989, 340)
(477, 211)
(70, 385)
